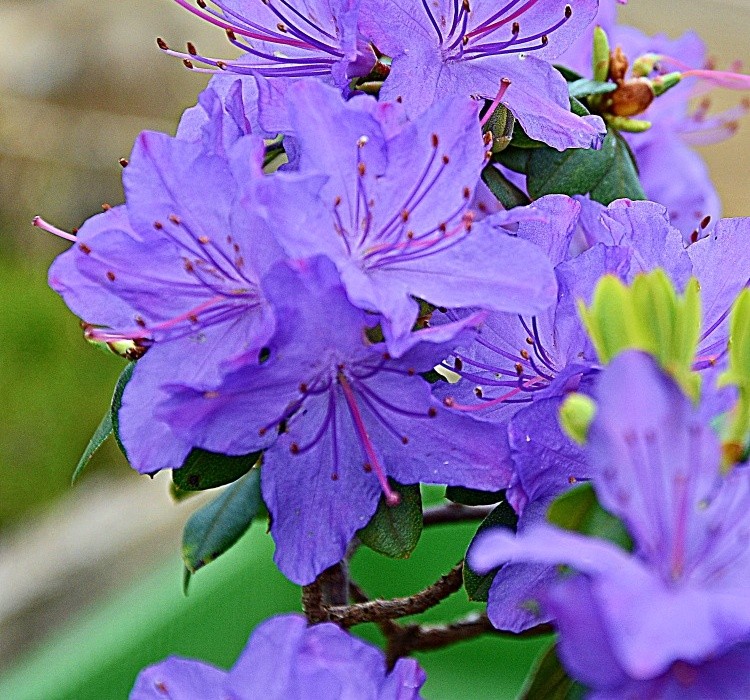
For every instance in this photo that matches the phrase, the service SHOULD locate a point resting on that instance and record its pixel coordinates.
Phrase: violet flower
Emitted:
(393, 210)
(284, 658)
(675, 613)
(284, 39)
(175, 273)
(496, 51)
(349, 416)
(517, 370)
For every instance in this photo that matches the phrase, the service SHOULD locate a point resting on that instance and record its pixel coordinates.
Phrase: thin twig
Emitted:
(378, 610)
(453, 513)
(416, 637)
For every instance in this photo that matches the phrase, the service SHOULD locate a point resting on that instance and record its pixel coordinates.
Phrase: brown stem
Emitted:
(454, 513)
(330, 589)
(379, 610)
(412, 638)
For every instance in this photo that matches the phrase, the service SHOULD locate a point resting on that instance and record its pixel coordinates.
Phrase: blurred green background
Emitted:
(78, 80)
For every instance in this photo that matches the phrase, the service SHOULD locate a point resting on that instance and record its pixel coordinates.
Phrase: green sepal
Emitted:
(662, 83)
(644, 65)
(648, 316)
(473, 497)
(584, 87)
(632, 126)
(548, 680)
(601, 55)
(578, 510)
(478, 585)
(503, 189)
(735, 435)
(208, 470)
(394, 531)
(217, 526)
(500, 124)
(576, 415)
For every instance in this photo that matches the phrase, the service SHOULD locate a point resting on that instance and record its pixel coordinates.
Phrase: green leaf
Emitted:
(621, 181)
(97, 439)
(106, 426)
(578, 108)
(395, 530)
(473, 497)
(513, 158)
(584, 88)
(208, 470)
(504, 190)
(212, 530)
(548, 680)
(573, 171)
(122, 382)
(578, 510)
(569, 75)
(478, 585)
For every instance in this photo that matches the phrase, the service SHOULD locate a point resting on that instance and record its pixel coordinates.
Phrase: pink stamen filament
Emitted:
(494, 402)
(391, 497)
(488, 28)
(212, 19)
(39, 222)
(504, 85)
(108, 336)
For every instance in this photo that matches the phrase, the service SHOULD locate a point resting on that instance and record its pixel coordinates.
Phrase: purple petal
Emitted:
(180, 679)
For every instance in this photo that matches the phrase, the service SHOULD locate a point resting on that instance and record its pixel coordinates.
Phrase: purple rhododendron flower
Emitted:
(450, 48)
(285, 39)
(517, 371)
(675, 613)
(174, 272)
(393, 210)
(284, 658)
(351, 416)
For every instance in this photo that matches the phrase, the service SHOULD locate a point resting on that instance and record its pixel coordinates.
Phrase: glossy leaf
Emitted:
(473, 497)
(579, 510)
(106, 426)
(395, 530)
(208, 470)
(573, 171)
(478, 585)
(621, 180)
(122, 382)
(548, 680)
(217, 526)
(504, 190)
(584, 88)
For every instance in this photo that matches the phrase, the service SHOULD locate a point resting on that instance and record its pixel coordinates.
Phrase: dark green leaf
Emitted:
(584, 88)
(473, 497)
(395, 530)
(504, 190)
(578, 108)
(573, 171)
(212, 530)
(513, 158)
(548, 680)
(97, 439)
(569, 75)
(622, 179)
(579, 510)
(522, 140)
(478, 585)
(207, 470)
(106, 427)
(122, 382)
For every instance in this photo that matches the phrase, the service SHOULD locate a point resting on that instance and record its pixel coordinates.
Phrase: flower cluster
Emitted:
(349, 289)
